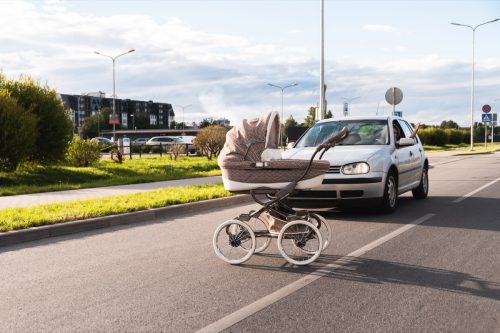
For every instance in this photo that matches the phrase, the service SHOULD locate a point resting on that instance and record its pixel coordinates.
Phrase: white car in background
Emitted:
(380, 159)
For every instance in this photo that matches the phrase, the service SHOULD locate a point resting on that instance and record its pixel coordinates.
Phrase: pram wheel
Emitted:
(234, 242)
(259, 228)
(324, 228)
(300, 242)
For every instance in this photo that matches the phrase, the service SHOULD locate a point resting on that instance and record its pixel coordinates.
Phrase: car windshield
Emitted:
(361, 132)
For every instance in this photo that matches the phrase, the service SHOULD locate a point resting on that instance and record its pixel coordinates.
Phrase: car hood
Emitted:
(338, 155)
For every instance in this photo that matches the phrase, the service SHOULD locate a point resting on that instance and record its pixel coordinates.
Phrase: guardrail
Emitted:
(159, 149)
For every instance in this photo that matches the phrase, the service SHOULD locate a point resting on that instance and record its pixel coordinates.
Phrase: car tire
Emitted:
(390, 198)
(423, 188)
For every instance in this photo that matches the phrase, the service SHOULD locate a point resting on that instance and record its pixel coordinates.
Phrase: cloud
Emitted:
(378, 27)
(221, 74)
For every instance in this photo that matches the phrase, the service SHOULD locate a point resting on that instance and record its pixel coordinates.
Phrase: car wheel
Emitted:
(390, 198)
(423, 188)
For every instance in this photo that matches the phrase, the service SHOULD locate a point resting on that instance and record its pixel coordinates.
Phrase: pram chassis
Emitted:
(298, 227)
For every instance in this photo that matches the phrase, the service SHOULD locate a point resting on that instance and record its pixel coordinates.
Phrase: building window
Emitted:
(152, 119)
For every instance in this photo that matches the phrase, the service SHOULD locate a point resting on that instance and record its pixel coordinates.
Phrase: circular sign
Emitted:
(486, 108)
(394, 96)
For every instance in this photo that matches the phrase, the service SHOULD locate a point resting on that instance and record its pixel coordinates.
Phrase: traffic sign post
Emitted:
(398, 114)
(486, 118)
(394, 96)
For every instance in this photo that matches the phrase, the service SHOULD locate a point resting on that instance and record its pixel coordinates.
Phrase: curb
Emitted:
(65, 228)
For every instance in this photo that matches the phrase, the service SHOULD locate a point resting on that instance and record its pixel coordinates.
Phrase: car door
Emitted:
(415, 152)
(403, 159)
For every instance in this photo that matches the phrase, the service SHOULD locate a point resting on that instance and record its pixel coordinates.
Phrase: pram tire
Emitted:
(300, 242)
(259, 226)
(226, 240)
(324, 229)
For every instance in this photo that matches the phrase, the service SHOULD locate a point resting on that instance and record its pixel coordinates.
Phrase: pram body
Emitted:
(251, 163)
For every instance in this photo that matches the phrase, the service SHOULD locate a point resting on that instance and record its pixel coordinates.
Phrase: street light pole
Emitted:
(113, 59)
(282, 93)
(349, 100)
(472, 84)
(183, 107)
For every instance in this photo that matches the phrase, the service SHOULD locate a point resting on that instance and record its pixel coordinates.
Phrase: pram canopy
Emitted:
(241, 158)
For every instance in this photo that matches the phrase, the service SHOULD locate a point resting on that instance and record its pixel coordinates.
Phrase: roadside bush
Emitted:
(455, 136)
(53, 126)
(82, 153)
(433, 136)
(176, 149)
(210, 140)
(17, 133)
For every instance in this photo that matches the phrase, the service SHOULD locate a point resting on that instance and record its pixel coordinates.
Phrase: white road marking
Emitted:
(279, 294)
(475, 191)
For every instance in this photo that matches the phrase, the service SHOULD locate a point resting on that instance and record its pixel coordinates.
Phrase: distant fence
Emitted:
(158, 149)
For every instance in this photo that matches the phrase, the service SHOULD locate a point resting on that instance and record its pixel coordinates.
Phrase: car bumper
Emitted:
(336, 190)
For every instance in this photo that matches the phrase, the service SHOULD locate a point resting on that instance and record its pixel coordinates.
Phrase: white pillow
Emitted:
(270, 154)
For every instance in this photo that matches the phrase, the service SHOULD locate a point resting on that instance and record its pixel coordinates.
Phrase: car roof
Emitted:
(375, 117)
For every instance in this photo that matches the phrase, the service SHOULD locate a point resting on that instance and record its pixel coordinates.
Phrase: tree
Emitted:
(290, 122)
(210, 140)
(328, 114)
(311, 117)
(53, 126)
(82, 153)
(448, 124)
(97, 121)
(207, 122)
(17, 133)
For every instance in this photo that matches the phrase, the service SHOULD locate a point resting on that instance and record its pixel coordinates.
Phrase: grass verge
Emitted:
(22, 218)
(36, 179)
(479, 150)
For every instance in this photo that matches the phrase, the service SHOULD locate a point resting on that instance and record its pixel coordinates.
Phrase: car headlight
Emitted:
(355, 168)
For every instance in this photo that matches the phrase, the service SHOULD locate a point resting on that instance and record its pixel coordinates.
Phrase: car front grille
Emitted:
(334, 169)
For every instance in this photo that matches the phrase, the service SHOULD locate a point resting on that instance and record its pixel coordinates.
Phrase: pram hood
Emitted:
(247, 140)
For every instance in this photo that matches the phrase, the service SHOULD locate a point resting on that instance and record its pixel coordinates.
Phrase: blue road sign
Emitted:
(398, 113)
(486, 117)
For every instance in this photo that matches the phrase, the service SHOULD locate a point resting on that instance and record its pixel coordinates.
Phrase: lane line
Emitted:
(475, 191)
(279, 294)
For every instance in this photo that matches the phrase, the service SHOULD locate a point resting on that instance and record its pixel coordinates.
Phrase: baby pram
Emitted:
(251, 163)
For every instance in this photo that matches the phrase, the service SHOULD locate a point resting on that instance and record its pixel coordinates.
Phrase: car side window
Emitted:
(409, 128)
(398, 131)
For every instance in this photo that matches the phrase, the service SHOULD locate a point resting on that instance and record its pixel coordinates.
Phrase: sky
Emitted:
(219, 56)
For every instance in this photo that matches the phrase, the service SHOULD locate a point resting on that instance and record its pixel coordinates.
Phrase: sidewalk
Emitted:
(26, 200)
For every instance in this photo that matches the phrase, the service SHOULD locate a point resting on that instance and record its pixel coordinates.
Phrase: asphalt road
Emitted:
(432, 266)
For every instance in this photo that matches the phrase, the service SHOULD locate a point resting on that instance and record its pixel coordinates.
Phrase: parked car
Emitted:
(103, 141)
(169, 140)
(381, 158)
(139, 141)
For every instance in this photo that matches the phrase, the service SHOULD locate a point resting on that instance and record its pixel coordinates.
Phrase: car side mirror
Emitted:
(290, 145)
(406, 142)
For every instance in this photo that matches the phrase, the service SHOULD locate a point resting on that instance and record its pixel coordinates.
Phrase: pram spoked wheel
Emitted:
(324, 228)
(300, 242)
(234, 242)
(259, 227)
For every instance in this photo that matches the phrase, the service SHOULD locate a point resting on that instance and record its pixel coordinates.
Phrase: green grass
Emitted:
(480, 149)
(35, 179)
(22, 218)
(429, 148)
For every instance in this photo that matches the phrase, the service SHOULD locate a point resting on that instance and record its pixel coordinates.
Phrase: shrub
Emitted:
(176, 149)
(17, 133)
(53, 126)
(433, 136)
(82, 153)
(455, 136)
(210, 140)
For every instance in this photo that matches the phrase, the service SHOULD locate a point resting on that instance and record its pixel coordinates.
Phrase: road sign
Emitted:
(486, 108)
(346, 109)
(486, 118)
(113, 119)
(394, 96)
(398, 113)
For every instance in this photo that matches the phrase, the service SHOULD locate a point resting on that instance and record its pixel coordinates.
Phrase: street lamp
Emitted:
(183, 107)
(472, 85)
(113, 59)
(282, 92)
(349, 100)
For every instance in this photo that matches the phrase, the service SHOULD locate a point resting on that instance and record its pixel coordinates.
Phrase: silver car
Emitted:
(380, 159)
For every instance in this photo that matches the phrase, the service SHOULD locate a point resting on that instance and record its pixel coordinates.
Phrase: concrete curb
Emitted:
(65, 228)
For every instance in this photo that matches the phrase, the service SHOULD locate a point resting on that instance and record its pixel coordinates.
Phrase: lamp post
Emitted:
(133, 121)
(113, 59)
(183, 107)
(349, 100)
(472, 84)
(282, 93)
